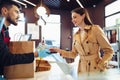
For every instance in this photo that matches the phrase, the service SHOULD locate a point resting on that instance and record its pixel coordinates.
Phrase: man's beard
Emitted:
(11, 21)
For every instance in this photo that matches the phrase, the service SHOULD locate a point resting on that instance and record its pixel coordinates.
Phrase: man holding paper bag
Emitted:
(10, 11)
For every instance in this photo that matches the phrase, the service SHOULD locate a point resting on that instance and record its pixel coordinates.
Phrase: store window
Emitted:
(112, 14)
(51, 31)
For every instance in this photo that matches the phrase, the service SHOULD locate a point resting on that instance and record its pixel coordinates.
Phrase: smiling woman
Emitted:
(87, 42)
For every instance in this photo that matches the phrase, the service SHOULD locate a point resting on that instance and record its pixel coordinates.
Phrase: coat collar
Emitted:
(86, 28)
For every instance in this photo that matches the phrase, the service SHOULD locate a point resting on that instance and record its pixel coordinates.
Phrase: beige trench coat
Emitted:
(89, 50)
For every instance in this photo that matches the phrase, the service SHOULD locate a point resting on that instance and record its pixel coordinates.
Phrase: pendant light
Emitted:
(41, 9)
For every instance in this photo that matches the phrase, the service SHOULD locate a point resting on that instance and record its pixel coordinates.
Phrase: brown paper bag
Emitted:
(20, 70)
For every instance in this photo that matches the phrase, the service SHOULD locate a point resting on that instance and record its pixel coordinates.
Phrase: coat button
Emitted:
(88, 52)
(94, 67)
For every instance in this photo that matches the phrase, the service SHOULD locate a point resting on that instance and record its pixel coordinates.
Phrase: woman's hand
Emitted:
(102, 65)
(55, 50)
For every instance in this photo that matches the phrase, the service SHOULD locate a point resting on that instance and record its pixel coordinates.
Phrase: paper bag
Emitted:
(20, 70)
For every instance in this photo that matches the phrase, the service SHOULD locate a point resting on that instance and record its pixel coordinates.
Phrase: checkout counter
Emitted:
(58, 71)
(62, 71)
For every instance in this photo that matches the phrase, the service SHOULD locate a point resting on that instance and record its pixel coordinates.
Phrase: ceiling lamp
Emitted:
(20, 3)
(68, 0)
(80, 3)
(41, 10)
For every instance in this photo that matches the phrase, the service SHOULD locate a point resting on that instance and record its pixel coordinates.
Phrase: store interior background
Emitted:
(59, 28)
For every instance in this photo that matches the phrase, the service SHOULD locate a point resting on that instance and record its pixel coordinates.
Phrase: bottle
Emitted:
(43, 41)
(41, 45)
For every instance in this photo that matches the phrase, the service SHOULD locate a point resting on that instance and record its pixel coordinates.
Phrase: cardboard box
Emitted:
(20, 70)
